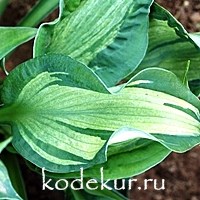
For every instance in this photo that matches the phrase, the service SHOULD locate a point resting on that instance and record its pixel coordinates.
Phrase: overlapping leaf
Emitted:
(109, 36)
(125, 164)
(62, 122)
(171, 46)
(6, 189)
(12, 37)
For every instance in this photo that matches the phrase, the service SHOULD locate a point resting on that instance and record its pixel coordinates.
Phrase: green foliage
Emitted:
(108, 42)
(64, 132)
(167, 49)
(39, 12)
(11, 37)
(3, 4)
(6, 189)
(4, 143)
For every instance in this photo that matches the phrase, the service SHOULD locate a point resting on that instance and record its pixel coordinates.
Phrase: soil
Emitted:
(180, 171)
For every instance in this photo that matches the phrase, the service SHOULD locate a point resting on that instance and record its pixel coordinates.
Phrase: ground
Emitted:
(180, 171)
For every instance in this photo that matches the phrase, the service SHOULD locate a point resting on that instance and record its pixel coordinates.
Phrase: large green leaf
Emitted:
(135, 159)
(62, 121)
(110, 36)
(170, 46)
(125, 164)
(12, 37)
(70, 74)
(7, 191)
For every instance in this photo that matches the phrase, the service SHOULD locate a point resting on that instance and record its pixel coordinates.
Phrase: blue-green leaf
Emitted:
(12, 37)
(110, 36)
(62, 121)
(171, 46)
(7, 191)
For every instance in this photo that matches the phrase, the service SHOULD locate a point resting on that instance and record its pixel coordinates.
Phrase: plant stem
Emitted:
(3, 5)
(6, 114)
(42, 9)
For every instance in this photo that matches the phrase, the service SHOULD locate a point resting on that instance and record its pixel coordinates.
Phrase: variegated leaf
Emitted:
(62, 121)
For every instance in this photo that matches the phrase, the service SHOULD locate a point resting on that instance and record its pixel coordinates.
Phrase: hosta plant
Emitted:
(112, 85)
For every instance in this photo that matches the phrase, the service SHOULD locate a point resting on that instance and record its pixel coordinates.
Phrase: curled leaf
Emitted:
(62, 121)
